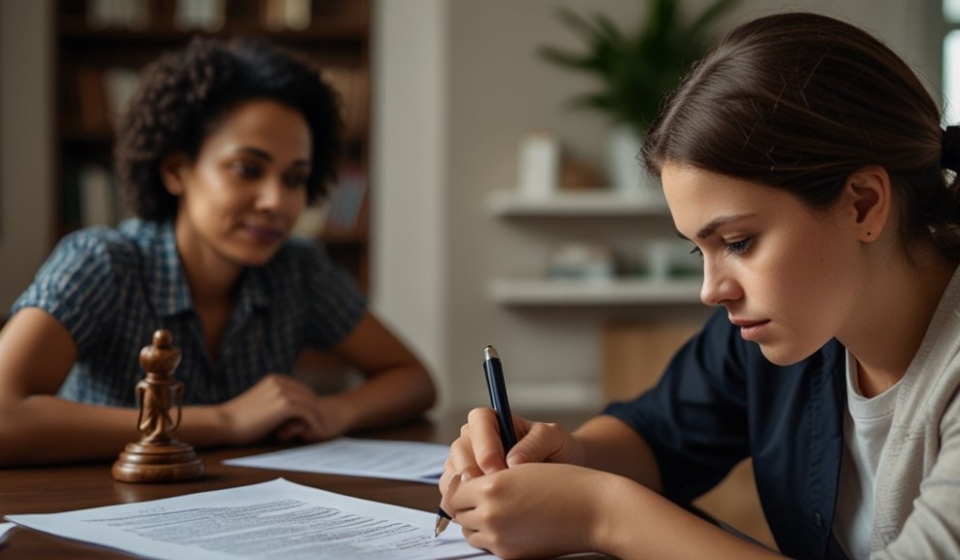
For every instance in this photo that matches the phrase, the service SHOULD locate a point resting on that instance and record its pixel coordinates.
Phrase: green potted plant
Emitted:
(636, 69)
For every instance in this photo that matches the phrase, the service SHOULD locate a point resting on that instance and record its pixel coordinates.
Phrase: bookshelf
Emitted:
(102, 44)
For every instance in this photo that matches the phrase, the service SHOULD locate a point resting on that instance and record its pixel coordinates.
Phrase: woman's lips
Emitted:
(751, 330)
(264, 234)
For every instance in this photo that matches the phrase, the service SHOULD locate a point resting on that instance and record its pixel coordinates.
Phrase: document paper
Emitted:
(4, 527)
(397, 460)
(277, 519)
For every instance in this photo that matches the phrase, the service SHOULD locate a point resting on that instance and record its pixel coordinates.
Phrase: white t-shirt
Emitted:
(865, 429)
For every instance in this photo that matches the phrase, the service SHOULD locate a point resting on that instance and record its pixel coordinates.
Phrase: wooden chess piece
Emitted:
(158, 456)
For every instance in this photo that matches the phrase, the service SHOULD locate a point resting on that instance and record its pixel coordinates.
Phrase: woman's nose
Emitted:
(718, 285)
(270, 195)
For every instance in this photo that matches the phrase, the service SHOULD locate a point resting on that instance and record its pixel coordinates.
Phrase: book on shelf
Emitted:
(129, 14)
(312, 221)
(271, 15)
(90, 196)
(119, 84)
(91, 106)
(102, 95)
(97, 196)
(277, 15)
(346, 203)
(208, 15)
(351, 85)
(297, 14)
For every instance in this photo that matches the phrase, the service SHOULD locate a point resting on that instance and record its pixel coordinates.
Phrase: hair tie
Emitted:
(950, 157)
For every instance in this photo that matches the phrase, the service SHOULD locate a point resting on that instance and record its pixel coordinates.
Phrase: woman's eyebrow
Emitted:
(263, 154)
(707, 230)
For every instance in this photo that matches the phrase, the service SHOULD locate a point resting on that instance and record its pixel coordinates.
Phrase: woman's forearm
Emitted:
(389, 397)
(612, 446)
(639, 523)
(43, 429)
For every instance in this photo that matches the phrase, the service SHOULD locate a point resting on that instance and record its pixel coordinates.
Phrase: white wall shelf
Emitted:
(598, 203)
(545, 292)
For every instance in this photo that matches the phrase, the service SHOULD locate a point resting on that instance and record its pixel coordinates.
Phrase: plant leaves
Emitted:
(637, 69)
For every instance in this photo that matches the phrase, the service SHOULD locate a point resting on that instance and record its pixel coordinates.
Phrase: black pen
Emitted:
(501, 405)
(498, 397)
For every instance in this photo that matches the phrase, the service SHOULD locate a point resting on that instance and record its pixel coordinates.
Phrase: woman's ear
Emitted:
(172, 168)
(868, 196)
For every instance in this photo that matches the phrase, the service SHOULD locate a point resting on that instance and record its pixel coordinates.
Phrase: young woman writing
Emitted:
(805, 161)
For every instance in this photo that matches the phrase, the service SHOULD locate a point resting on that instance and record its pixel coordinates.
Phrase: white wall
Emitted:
(26, 214)
(409, 273)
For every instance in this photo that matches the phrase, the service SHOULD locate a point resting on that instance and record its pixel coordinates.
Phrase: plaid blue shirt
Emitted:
(112, 288)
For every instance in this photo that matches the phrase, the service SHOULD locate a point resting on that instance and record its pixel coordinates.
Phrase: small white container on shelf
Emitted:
(539, 165)
(627, 175)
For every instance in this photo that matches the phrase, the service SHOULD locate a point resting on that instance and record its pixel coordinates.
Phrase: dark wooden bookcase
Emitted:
(91, 59)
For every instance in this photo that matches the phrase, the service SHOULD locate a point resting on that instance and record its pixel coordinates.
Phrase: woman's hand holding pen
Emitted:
(532, 510)
(473, 483)
(508, 510)
(479, 451)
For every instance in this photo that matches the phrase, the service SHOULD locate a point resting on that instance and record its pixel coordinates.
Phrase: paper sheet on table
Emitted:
(277, 519)
(398, 460)
(4, 527)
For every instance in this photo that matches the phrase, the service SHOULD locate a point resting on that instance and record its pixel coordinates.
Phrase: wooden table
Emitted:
(88, 485)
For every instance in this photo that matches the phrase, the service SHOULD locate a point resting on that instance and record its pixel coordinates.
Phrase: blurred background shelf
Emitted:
(547, 292)
(599, 203)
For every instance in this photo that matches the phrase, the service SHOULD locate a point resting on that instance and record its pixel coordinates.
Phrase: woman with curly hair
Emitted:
(222, 147)
(807, 164)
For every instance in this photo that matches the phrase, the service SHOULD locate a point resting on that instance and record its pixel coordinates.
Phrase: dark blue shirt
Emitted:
(720, 401)
(112, 288)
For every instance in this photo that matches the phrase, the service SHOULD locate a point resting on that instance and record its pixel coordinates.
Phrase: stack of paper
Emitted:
(277, 519)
